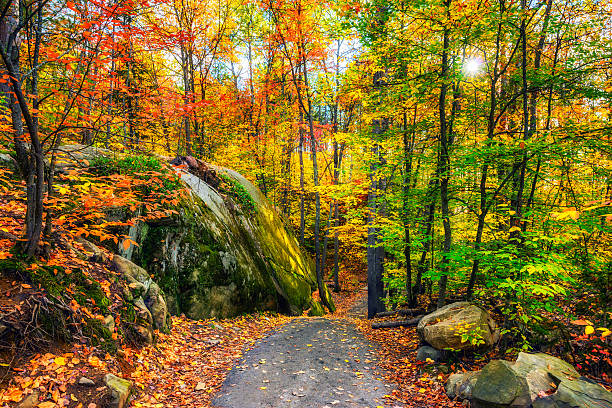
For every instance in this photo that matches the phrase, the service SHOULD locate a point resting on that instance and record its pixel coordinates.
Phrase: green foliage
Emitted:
(141, 167)
(105, 165)
(238, 193)
(470, 333)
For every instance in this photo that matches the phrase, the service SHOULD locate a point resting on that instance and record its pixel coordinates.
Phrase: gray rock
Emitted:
(136, 289)
(527, 362)
(142, 311)
(131, 272)
(154, 300)
(497, 385)
(109, 323)
(221, 255)
(126, 292)
(217, 302)
(120, 390)
(145, 294)
(580, 393)
(461, 385)
(94, 253)
(30, 401)
(225, 254)
(8, 162)
(143, 327)
(144, 334)
(77, 156)
(86, 382)
(533, 381)
(443, 328)
(426, 352)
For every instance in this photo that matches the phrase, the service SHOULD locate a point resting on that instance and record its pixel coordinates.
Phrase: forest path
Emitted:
(309, 362)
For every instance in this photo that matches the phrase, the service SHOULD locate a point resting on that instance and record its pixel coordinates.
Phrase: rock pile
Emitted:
(533, 381)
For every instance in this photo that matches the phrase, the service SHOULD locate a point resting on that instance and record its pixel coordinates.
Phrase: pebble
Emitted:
(86, 381)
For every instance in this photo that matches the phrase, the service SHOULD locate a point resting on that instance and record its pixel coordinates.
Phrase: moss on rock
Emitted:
(316, 309)
(214, 260)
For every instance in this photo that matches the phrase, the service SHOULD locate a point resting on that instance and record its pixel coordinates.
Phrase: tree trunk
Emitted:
(302, 192)
(376, 250)
(315, 176)
(30, 162)
(338, 153)
(533, 119)
(484, 171)
(444, 167)
(337, 287)
(399, 323)
(427, 232)
(326, 237)
(520, 166)
(408, 150)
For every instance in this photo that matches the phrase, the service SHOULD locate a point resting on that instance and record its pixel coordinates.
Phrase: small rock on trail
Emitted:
(310, 362)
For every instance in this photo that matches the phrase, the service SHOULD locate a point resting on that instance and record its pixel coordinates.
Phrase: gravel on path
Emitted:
(310, 362)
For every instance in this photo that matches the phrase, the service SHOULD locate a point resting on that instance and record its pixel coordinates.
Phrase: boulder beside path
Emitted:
(532, 381)
(459, 326)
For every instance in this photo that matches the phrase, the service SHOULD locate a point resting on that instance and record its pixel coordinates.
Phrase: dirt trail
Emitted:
(310, 362)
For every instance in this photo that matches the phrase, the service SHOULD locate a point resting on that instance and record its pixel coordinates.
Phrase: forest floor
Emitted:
(259, 360)
(334, 361)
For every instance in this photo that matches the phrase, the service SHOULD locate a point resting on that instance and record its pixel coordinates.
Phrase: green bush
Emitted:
(104, 165)
(140, 167)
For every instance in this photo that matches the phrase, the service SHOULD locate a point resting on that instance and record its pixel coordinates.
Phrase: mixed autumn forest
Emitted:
(434, 151)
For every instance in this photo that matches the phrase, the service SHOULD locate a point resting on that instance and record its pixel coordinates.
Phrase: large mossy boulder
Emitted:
(227, 252)
(458, 326)
(533, 381)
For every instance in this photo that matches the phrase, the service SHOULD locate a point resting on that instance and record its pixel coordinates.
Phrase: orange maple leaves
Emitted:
(188, 365)
(49, 377)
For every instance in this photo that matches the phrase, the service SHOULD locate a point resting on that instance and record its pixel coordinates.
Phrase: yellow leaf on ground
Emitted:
(604, 332)
(94, 361)
(60, 361)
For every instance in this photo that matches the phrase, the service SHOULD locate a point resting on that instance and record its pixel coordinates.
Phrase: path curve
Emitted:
(309, 362)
